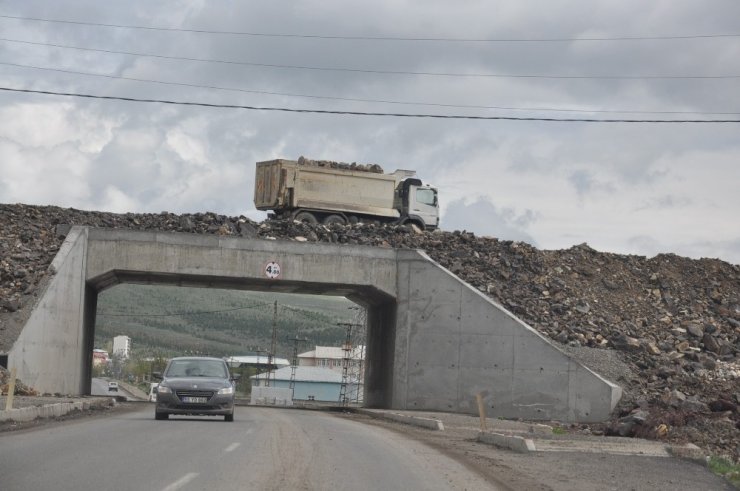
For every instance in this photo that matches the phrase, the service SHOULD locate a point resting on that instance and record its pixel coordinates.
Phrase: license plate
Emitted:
(195, 400)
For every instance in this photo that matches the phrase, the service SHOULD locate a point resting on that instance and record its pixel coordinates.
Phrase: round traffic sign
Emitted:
(272, 270)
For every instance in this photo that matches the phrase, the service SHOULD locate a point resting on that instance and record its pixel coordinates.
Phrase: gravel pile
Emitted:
(667, 328)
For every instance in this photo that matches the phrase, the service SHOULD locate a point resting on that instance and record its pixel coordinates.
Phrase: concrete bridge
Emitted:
(433, 341)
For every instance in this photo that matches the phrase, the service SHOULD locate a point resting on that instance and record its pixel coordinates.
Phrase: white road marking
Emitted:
(232, 447)
(181, 482)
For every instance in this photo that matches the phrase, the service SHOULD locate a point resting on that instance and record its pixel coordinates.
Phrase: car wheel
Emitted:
(229, 417)
(158, 415)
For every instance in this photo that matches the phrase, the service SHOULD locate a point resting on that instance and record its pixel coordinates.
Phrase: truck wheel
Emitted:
(332, 219)
(306, 217)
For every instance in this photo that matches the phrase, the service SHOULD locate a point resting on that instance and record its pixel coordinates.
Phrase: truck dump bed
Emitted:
(284, 185)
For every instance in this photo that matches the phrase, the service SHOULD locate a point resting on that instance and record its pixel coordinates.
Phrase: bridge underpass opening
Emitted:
(185, 315)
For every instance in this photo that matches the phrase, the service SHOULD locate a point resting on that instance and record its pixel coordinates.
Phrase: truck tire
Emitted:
(306, 217)
(332, 219)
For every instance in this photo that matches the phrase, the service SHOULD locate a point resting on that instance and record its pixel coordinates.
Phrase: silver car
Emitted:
(195, 386)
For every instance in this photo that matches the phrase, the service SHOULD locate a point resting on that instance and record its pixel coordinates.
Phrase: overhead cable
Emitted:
(382, 72)
(351, 99)
(382, 38)
(362, 113)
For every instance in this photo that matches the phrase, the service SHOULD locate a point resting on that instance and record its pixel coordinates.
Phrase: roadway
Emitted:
(99, 387)
(263, 449)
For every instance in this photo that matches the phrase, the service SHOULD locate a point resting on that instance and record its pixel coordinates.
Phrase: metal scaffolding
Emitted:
(352, 388)
(294, 362)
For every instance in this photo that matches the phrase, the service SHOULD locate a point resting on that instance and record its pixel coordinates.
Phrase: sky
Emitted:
(624, 187)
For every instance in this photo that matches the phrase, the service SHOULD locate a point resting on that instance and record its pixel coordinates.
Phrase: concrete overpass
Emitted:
(433, 341)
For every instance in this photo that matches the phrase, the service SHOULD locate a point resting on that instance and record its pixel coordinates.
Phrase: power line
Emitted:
(381, 38)
(350, 99)
(361, 113)
(382, 72)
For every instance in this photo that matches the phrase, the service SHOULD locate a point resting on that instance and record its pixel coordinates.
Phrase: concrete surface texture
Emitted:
(31, 408)
(434, 342)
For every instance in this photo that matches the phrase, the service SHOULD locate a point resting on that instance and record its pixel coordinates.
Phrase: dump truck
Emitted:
(331, 192)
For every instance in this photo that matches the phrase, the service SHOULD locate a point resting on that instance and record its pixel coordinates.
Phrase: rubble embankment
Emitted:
(667, 328)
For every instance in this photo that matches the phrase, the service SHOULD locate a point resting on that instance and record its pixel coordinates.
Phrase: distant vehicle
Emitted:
(332, 192)
(112, 386)
(195, 386)
(153, 392)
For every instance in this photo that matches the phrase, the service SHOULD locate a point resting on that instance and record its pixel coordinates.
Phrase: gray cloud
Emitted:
(630, 180)
(483, 218)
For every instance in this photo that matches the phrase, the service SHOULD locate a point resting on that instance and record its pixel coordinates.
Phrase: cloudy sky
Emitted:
(639, 188)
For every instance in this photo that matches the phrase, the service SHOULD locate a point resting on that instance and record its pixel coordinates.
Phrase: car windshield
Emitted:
(196, 368)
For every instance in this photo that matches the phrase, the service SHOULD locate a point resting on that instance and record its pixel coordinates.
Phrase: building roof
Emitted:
(333, 352)
(235, 361)
(304, 374)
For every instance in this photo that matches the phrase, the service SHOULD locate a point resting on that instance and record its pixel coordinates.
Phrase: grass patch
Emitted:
(557, 430)
(725, 468)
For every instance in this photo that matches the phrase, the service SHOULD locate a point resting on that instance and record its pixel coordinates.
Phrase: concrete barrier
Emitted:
(688, 452)
(48, 410)
(271, 396)
(428, 423)
(511, 442)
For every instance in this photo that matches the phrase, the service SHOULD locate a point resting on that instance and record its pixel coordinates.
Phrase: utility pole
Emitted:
(294, 362)
(271, 357)
(346, 359)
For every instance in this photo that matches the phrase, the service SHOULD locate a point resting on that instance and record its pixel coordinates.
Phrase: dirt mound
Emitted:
(670, 325)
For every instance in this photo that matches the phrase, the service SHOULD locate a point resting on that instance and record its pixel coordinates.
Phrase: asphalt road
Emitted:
(99, 387)
(263, 449)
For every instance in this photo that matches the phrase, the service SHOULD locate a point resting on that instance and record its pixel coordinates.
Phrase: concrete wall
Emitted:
(433, 341)
(321, 391)
(238, 263)
(453, 342)
(50, 351)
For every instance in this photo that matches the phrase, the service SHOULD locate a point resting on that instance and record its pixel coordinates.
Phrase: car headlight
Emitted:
(163, 389)
(226, 390)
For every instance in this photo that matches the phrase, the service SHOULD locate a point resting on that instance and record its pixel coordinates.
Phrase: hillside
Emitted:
(175, 320)
(667, 328)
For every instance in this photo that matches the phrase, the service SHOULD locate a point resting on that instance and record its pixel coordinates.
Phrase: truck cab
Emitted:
(419, 203)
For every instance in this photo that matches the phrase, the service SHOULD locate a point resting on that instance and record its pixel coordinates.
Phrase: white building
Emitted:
(331, 357)
(122, 346)
(259, 361)
(311, 383)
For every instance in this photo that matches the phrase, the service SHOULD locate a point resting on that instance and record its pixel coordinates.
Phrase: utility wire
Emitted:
(360, 113)
(382, 72)
(350, 99)
(380, 38)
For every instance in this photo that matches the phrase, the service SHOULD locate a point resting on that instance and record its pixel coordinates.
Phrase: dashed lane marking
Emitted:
(181, 482)
(232, 447)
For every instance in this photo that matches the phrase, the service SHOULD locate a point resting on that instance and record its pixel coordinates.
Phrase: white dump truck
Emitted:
(330, 192)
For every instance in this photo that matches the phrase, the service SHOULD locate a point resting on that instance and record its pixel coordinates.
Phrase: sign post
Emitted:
(11, 390)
